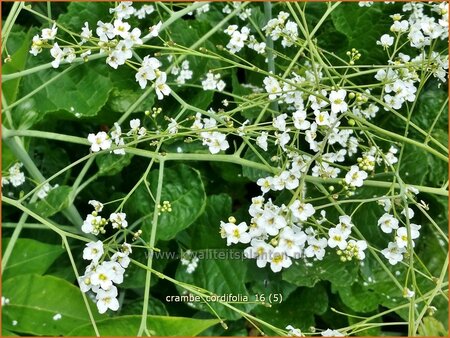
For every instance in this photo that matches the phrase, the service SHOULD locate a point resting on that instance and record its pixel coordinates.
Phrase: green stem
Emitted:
(148, 276)
(85, 300)
(9, 22)
(400, 138)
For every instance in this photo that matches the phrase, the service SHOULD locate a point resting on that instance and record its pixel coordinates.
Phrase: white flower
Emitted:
(118, 220)
(135, 124)
(337, 101)
(123, 10)
(16, 177)
(91, 224)
(116, 269)
(161, 88)
(106, 299)
(316, 248)
(272, 87)
(105, 31)
(36, 46)
(49, 33)
(292, 242)
(345, 225)
(279, 260)
(293, 332)
(101, 141)
(121, 258)
(154, 30)
(86, 33)
(235, 233)
(299, 118)
(121, 28)
(355, 177)
(385, 41)
(98, 206)
(265, 183)
(407, 293)
(393, 253)
(215, 141)
(301, 210)
(408, 213)
(102, 276)
(58, 55)
(261, 140)
(259, 250)
(93, 251)
(280, 122)
(330, 332)
(387, 222)
(337, 238)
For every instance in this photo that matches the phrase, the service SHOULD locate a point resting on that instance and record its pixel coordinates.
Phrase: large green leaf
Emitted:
(79, 13)
(30, 256)
(297, 310)
(330, 268)
(82, 91)
(221, 276)
(359, 297)
(205, 232)
(112, 164)
(34, 300)
(56, 200)
(18, 45)
(363, 27)
(157, 326)
(183, 188)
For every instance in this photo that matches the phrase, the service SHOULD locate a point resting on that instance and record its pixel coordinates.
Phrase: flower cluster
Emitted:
(213, 82)
(282, 27)
(420, 30)
(15, 176)
(190, 261)
(117, 39)
(405, 232)
(238, 39)
(183, 72)
(101, 274)
(279, 234)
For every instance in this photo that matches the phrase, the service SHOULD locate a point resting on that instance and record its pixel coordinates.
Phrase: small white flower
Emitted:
(154, 30)
(91, 224)
(337, 238)
(16, 177)
(98, 206)
(161, 88)
(215, 141)
(93, 251)
(337, 99)
(302, 210)
(261, 140)
(316, 248)
(387, 222)
(279, 260)
(386, 41)
(293, 332)
(259, 250)
(106, 299)
(101, 141)
(355, 177)
(118, 220)
(330, 332)
(393, 253)
(49, 33)
(235, 233)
